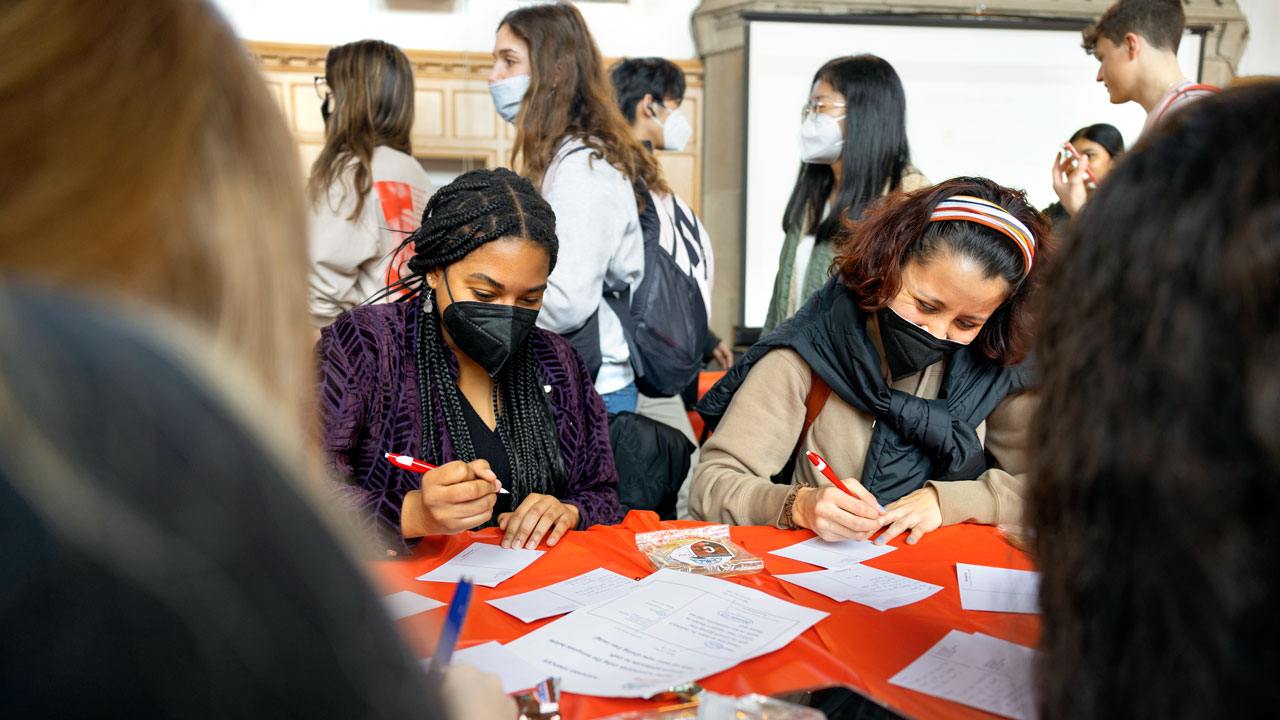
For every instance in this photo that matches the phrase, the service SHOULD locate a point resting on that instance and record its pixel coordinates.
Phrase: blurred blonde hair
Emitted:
(141, 153)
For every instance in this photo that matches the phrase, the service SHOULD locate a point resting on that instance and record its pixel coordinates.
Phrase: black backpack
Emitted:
(665, 319)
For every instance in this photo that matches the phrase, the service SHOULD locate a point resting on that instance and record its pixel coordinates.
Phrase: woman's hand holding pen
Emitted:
(834, 514)
(454, 497)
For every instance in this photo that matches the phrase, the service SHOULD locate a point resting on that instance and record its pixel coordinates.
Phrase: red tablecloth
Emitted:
(855, 645)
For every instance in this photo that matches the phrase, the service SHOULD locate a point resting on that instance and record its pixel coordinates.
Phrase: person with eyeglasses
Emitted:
(367, 191)
(858, 97)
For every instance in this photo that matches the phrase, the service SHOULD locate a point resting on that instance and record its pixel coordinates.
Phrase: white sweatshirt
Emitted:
(351, 259)
(598, 227)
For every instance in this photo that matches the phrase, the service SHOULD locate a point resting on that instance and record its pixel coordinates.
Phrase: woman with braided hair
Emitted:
(456, 374)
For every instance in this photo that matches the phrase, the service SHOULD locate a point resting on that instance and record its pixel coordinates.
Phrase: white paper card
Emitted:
(495, 659)
(406, 603)
(484, 563)
(842, 553)
(998, 589)
(866, 585)
(671, 628)
(589, 588)
(975, 670)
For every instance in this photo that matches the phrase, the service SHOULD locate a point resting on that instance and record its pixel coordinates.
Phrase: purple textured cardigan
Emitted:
(369, 405)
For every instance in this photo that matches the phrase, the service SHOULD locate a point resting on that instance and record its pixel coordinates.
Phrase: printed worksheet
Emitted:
(866, 585)
(484, 563)
(975, 670)
(496, 659)
(406, 603)
(816, 551)
(671, 628)
(565, 596)
(998, 589)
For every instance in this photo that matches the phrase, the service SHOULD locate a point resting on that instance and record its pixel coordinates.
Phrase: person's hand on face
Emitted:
(918, 512)
(1070, 184)
(1098, 157)
(536, 517)
(458, 496)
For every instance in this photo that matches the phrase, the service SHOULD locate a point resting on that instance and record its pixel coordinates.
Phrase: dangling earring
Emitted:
(428, 300)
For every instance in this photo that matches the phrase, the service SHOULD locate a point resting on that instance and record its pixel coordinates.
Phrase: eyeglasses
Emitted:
(322, 86)
(816, 106)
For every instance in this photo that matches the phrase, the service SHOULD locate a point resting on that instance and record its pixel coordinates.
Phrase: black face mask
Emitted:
(909, 348)
(325, 112)
(489, 333)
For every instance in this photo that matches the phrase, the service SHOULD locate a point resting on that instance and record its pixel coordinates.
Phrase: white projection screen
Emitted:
(993, 98)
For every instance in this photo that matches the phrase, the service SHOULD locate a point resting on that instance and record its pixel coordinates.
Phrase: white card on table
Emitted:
(817, 551)
(484, 563)
(975, 670)
(565, 596)
(495, 659)
(866, 585)
(998, 589)
(406, 603)
(672, 628)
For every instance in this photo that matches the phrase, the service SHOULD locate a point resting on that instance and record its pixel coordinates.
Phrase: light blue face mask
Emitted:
(508, 94)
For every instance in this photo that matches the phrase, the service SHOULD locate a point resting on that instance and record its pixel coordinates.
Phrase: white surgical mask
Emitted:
(820, 139)
(676, 132)
(507, 95)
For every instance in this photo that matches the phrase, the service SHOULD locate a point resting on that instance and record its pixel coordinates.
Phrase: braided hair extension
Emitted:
(479, 207)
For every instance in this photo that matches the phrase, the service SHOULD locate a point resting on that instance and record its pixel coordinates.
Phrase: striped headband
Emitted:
(984, 212)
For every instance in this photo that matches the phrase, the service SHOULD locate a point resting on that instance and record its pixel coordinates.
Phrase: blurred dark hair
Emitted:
(1161, 22)
(875, 152)
(169, 565)
(1105, 135)
(1156, 476)
(874, 250)
(633, 78)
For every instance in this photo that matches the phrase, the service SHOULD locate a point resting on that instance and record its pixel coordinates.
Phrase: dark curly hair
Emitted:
(1156, 478)
(873, 251)
(480, 207)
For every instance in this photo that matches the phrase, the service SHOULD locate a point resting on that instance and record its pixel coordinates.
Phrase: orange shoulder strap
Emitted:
(819, 391)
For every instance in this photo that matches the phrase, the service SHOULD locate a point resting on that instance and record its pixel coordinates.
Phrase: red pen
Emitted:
(830, 474)
(413, 464)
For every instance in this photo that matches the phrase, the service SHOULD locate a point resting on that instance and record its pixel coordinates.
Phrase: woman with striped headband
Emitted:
(907, 373)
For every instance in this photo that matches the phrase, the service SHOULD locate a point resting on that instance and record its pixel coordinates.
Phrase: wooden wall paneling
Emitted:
(429, 112)
(453, 115)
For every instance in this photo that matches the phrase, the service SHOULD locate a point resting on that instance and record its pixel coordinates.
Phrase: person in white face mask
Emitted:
(853, 150)
(650, 92)
(549, 81)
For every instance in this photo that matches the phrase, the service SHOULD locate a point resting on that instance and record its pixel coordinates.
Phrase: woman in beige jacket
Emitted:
(906, 374)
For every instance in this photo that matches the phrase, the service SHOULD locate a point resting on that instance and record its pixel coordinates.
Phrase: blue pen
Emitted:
(452, 624)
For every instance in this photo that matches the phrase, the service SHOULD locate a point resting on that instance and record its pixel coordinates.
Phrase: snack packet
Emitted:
(703, 550)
